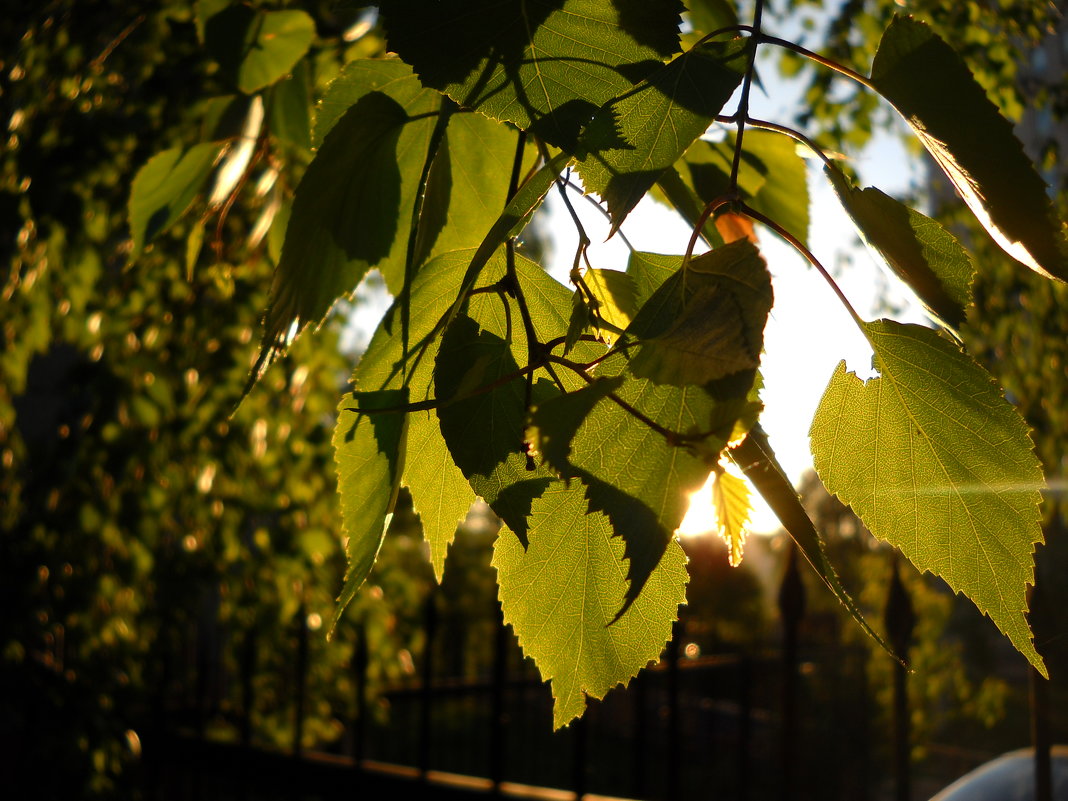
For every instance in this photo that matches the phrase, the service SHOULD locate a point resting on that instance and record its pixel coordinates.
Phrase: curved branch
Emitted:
(800, 247)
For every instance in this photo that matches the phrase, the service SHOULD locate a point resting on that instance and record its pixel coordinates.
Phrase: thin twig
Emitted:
(826, 62)
(804, 251)
(793, 134)
(743, 103)
(604, 212)
(97, 62)
(674, 438)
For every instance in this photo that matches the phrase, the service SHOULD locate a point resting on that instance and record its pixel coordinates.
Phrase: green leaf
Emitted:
(440, 493)
(484, 429)
(561, 595)
(919, 250)
(546, 65)
(609, 308)
(165, 187)
(511, 221)
(707, 16)
(468, 185)
(553, 425)
(256, 48)
(936, 462)
(706, 321)
(629, 456)
(350, 210)
(631, 141)
(784, 196)
(757, 460)
(648, 271)
(369, 451)
(948, 110)
(730, 496)
(205, 10)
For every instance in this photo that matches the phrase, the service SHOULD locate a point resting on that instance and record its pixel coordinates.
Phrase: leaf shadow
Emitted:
(490, 37)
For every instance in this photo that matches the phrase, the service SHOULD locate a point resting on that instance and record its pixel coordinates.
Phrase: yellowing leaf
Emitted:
(936, 462)
(733, 227)
(730, 495)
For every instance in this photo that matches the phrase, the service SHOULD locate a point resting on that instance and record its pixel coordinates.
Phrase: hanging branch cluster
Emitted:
(585, 417)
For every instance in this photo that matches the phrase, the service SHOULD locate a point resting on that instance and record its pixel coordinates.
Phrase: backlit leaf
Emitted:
(553, 425)
(484, 345)
(632, 140)
(707, 16)
(512, 220)
(468, 185)
(707, 321)
(369, 451)
(546, 65)
(974, 145)
(352, 207)
(634, 473)
(648, 271)
(440, 493)
(610, 309)
(730, 496)
(165, 187)
(919, 250)
(562, 593)
(936, 462)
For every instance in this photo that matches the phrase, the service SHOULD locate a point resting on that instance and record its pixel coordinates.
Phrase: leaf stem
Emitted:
(604, 213)
(841, 69)
(747, 84)
(445, 111)
(674, 438)
(708, 211)
(721, 31)
(800, 247)
(793, 134)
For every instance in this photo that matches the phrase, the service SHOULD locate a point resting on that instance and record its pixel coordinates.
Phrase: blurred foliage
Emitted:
(154, 542)
(993, 38)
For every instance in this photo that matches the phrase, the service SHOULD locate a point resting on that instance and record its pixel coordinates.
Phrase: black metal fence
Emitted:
(793, 723)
